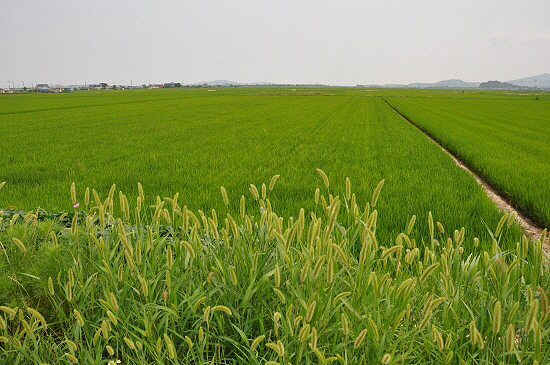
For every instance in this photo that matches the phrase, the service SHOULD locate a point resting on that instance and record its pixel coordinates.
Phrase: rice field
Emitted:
(504, 140)
(194, 141)
(260, 226)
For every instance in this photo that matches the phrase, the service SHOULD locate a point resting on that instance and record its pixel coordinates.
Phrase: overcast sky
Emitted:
(344, 42)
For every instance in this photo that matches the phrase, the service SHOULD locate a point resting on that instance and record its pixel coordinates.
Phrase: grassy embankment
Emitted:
(243, 285)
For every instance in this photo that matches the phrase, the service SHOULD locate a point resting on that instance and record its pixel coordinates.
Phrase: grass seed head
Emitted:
(497, 317)
(386, 359)
(274, 347)
(501, 224)
(324, 176)
(112, 317)
(206, 316)
(254, 192)
(330, 270)
(71, 357)
(110, 350)
(105, 329)
(545, 303)
(388, 252)
(411, 224)
(232, 275)
(430, 269)
(510, 338)
(440, 227)
(437, 338)
(87, 197)
(189, 342)
(531, 317)
(473, 333)
(264, 191)
(318, 266)
(272, 182)
(19, 244)
(348, 189)
(304, 333)
(319, 355)
(310, 311)
(189, 248)
(256, 342)
(69, 292)
(425, 320)
(38, 316)
(376, 193)
(79, 317)
(281, 346)
(50, 286)
(345, 324)
(313, 338)
(73, 193)
(277, 276)
(144, 287)
(222, 308)
(243, 206)
(224, 196)
(359, 339)
(280, 295)
(374, 329)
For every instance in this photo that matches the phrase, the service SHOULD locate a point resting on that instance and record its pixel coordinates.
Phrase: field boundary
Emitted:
(532, 229)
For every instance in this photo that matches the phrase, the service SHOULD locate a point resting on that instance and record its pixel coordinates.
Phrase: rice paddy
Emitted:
(504, 140)
(193, 142)
(261, 226)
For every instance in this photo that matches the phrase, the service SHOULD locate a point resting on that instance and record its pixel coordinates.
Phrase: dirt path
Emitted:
(531, 229)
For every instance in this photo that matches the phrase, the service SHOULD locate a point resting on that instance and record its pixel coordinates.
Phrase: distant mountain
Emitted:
(496, 85)
(445, 84)
(455, 83)
(228, 82)
(216, 82)
(540, 81)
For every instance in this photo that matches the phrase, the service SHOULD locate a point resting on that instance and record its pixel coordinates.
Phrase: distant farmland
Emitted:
(193, 142)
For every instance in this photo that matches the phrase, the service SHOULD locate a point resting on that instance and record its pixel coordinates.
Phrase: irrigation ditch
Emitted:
(532, 229)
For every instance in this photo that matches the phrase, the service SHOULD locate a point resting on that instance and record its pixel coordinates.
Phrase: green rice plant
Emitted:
(503, 138)
(194, 142)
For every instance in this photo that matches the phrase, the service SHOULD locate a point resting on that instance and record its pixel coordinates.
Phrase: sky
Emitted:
(346, 42)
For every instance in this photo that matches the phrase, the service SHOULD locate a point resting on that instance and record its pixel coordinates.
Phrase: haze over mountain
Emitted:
(228, 82)
(540, 81)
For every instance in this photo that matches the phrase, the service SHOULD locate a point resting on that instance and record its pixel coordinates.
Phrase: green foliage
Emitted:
(23, 274)
(193, 141)
(244, 285)
(504, 139)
